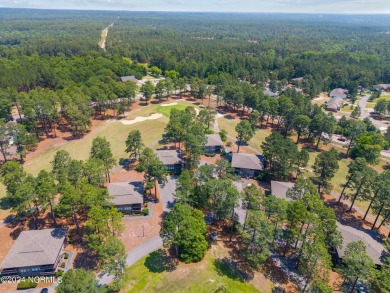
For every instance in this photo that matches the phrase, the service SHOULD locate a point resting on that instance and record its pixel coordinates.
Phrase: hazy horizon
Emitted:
(214, 6)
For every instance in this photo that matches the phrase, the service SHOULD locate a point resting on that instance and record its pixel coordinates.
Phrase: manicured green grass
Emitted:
(347, 108)
(258, 139)
(229, 125)
(152, 274)
(370, 105)
(385, 96)
(152, 107)
(115, 132)
(167, 110)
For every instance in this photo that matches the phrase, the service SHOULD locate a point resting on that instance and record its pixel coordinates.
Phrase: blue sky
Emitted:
(306, 6)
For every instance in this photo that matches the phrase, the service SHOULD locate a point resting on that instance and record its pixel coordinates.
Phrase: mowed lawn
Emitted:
(115, 132)
(152, 274)
(230, 124)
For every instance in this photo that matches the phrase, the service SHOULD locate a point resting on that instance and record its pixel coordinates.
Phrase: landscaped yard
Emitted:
(153, 274)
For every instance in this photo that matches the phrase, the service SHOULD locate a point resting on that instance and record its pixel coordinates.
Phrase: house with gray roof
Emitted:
(270, 93)
(279, 189)
(334, 104)
(214, 143)
(127, 197)
(35, 253)
(172, 159)
(382, 87)
(247, 165)
(129, 78)
(339, 93)
(371, 239)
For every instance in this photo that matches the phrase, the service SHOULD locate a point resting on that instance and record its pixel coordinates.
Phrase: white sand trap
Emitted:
(167, 105)
(142, 119)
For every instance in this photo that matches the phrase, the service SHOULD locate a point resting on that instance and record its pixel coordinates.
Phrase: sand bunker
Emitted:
(167, 105)
(142, 119)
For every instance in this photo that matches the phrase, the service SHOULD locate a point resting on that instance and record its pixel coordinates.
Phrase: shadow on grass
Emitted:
(227, 267)
(159, 261)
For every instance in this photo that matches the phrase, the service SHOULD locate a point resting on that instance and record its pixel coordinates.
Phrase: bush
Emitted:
(223, 134)
(59, 273)
(26, 284)
(146, 212)
(229, 144)
(62, 265)
(66, 255)
(210, 155)
(140, 168)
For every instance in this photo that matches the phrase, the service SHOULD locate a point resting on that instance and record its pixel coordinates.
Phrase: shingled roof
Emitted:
(374, 246)
(339, 93)
(127, 78)
(246, 161)
(334, 104)
(279, 189)
(213, 140)
(169, 157)
(126, 193)
(35, 248)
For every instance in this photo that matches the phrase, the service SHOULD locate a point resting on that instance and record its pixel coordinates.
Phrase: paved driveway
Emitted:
(135, 255)
(166, 193)
(362, 105)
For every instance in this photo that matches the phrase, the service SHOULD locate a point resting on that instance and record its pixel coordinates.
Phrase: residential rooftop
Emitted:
(213, 140)
(35, 248)
(169, 157)
(246, 161)
(371, 240)
(279, 189)
(126, 193)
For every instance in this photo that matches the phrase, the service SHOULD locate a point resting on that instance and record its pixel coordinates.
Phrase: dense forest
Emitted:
(54, 75)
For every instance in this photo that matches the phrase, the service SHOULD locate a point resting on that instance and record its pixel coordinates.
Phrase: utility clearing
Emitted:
(103, 37)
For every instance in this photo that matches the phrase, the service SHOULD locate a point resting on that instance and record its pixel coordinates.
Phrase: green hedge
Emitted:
(26, 284)
(146, 212)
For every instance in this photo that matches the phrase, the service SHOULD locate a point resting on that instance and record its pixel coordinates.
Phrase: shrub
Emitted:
(26, 284)
(62, 265)
(66, 255)
(229, 144)
(223, 134)
(59, 273)
(210, 155)
(146, 212)
(140, 168)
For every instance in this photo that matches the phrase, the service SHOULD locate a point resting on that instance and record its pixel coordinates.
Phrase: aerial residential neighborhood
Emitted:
(194, 151)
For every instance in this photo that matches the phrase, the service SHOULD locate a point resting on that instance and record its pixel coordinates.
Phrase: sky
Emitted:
(293, 6)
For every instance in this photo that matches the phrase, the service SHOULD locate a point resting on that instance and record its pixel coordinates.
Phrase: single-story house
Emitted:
(35, 253)
(279, 189)
(172, 159)
(334, 104)
(339, 93)
(129, 78)
(214, 143)
(270, 93)
(247, 165)
(382, 87)
(373, 243)
(127, 197)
